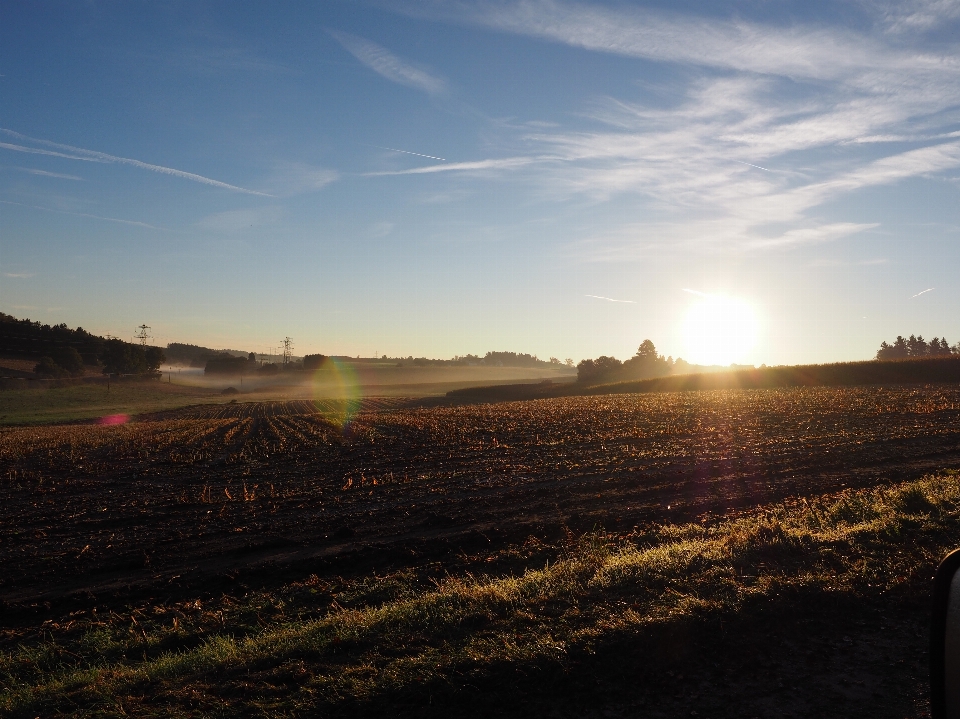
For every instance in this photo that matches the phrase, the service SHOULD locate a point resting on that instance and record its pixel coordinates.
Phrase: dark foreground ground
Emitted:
(208, 507)
(801, 656)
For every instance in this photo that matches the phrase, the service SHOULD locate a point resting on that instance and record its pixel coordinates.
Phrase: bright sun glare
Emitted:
(719, 330)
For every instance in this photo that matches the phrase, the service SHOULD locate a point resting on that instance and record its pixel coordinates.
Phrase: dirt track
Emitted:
(244, 493)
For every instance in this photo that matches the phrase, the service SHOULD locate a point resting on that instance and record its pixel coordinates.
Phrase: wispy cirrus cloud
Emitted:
(903, 16)
(385, 63)
(44, 173)
(610, 299)
(297, 178)
(78, 153)
(19, 275)
(773, 124)
(132, 223)
(506, 163)
(812, 235)
(796, 50)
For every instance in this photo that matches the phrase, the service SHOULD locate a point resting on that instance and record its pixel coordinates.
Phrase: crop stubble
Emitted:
(237, 490)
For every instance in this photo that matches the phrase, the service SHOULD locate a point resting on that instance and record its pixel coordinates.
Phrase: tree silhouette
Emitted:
(644, 364)
(914, 347)
(917, 346)
(939, 347)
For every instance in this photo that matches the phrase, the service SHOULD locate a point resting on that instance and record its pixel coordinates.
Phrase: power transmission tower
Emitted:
(287, 350)
(142, 335)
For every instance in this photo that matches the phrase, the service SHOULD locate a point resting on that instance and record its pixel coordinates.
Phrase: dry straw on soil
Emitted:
(396, 633)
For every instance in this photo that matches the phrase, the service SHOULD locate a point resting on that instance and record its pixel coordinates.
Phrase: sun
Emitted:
(719, 330)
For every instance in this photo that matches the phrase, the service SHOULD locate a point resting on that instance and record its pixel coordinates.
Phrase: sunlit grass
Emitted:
(90, 401)
(316, 643)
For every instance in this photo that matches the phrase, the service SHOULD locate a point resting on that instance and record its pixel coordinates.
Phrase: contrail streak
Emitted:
(38, 151)
(750, 165)
(924, 292)
(407, 152)
(84, 214)
(610, 299)
(95, 156)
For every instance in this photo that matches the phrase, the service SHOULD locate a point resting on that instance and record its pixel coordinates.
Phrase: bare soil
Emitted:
(225, 498)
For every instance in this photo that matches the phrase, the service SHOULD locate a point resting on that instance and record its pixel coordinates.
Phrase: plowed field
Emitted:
(243, 491)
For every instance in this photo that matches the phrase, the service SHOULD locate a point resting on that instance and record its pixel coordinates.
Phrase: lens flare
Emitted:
(337, 386)
(114, 419)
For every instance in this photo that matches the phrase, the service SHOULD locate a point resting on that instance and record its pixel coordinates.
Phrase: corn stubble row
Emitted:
(82, 492)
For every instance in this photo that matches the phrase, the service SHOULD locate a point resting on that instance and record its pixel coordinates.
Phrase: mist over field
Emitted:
(371, 378)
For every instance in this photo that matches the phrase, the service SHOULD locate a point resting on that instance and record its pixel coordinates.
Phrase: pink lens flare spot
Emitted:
(114, 419)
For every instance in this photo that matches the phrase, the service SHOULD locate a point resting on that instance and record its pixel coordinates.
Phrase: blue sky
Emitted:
(449, 178)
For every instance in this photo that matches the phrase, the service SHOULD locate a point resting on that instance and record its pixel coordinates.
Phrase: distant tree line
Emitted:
(26, 339)
(312, 362)
(915, 346)
(63, 352)
(224, 363)
(121, 357)
(645, 364)
(490, 359)
(197, 356)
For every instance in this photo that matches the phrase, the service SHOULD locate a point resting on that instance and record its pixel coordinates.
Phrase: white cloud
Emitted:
(905, 16)
(19, 275)
(507, 163)
(385, 63)
(297, 178)
(776, 123)
(810, 235)
(795, 51)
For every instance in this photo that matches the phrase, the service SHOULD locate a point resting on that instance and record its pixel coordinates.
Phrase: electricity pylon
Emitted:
(142, 335)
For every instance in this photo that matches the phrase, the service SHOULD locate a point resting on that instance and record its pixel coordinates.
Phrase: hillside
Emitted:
(840, 374)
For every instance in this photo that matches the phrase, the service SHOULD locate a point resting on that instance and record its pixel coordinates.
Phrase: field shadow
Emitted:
(799, 655)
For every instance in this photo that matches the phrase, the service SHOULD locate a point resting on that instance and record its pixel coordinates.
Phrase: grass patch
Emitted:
(90, 401)
(317, 644)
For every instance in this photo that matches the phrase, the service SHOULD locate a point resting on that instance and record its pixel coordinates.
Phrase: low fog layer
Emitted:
(359, 379)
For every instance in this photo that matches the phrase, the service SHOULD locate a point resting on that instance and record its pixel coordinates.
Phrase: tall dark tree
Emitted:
(647, 350)
(48, 369)
(646, 363)
(917, 346)
(68, 359)
(121, 357)
(939, 347)
(154, 357)
(597, 370)
(900, 348)
(897, 351)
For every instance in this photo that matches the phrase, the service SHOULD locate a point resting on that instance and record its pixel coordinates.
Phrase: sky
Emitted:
(442, 178)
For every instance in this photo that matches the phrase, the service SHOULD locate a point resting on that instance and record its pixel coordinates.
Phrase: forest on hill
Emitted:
(62, 352)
